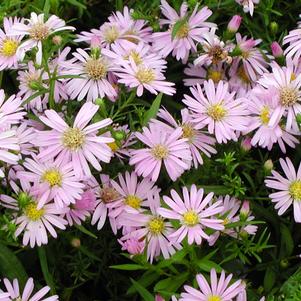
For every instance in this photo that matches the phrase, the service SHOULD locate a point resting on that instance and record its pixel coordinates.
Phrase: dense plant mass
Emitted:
(149, 150)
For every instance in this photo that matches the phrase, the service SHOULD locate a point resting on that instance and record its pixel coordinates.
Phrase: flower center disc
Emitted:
(39, 32)
(96, 68)
(145, 75)
(9, 47)
(32, 212)
(288, 97)
(214, 298)
(295, 190)
(159, 151)
(156, 225)
(73, 138)
(265, 115)
(190, 218)
(216, 112)
(133, 201)
(183, 31)
(53, 177)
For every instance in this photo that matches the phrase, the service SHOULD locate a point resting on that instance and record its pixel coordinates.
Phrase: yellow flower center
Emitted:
(188, 132)
(108, 195)
(113, 146)
(9, 47)
(39, 32)
(111, 34)
(183, 31)
(265, 115)
(73, 138)
(215, 75)
(214, 298)
(53, 177)
(226, 221)
(288, 96)
(293, 76)
(156, 226)
(217, 54)
(241, 73)
(145, 75)
(216, 112)
(295, 190)
(133, 201)
(32, 212)
(96, 68)
(160, 151)
(190, 218)
(136, 57)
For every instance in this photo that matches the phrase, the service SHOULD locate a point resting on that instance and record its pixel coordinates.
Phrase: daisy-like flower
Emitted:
(144, 76)
(38, 30)
(93, 71)
(9, 45)
(217, 108)
(194, 213)
(134, 195)
(250, 58)
(34, 223)
(216, 290)
(188, 34)
(198, 141)
(261, 104)
(289, 188)
(30, 82)
(79, 143)
(162, 146)
(55, 180)
(248, 5)
(288, 87)
(11, 111)
(214, 49)
(12, 292)
(154, 230)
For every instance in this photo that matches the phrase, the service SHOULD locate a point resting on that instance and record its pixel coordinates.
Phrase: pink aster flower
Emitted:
(55, 180)
(144, 76)
(248, 5)
(262, 103)
(161, 147)
(198, 141)
(250, 58)
(154, 230)
(132, 245)
(289, 188)
(217, 108)
(93, 71)
(287, 86)
(216, 289)
(9, 44)
(34, 223)
(79, 143)
(194, 213)
(12, 292)
(186, 37)
(38, 31)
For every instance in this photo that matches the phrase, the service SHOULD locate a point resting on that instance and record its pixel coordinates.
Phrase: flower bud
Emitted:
(245, 210)
(246, 144)
(276, 50)
(159, 298)
(75, 242)
(118, 135)
(23, 199)
(268, 165)
(57, 40)
(234, 24)
(274, 27)
(284, 263)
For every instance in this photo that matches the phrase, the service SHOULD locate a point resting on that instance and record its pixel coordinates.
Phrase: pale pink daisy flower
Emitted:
(215, 290)
(105, 194)
(248, 5)
(161, 147)
(11, 110)
(30, 82)
(217, 108)
(93, 71)
(289, 188)
(233, 211)
(261, 104)
(134, 195)
(82, 208)
(194, 213)
(9, 45)
(142, 77)
(186, 37)
(35, 223)
(154, 230)
(250, 58)
(79, 143)
(55, 180)
(198, 141)
(288, 87)
(14, 293)
(38, 30)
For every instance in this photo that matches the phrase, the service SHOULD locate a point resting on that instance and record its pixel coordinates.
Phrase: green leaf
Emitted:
(44, 266)
(177, 26)
(143, 292)
(85, 231)
(128, 267)
(10, 266)
(269, 279)
(153, 110)
(287, 242)
(146, 279)
(206, 265)
(171, 284)
(76, 3)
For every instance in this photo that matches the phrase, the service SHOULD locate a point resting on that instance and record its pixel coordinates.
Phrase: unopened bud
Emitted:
(35, 85)
(276, 50)
(118, 135)
(57, 40)
(75, 242)
(234, 24)
(268, 165)
(245, 210)
(23, 199)
(284, 263)
(274, 27)
(246, 144)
